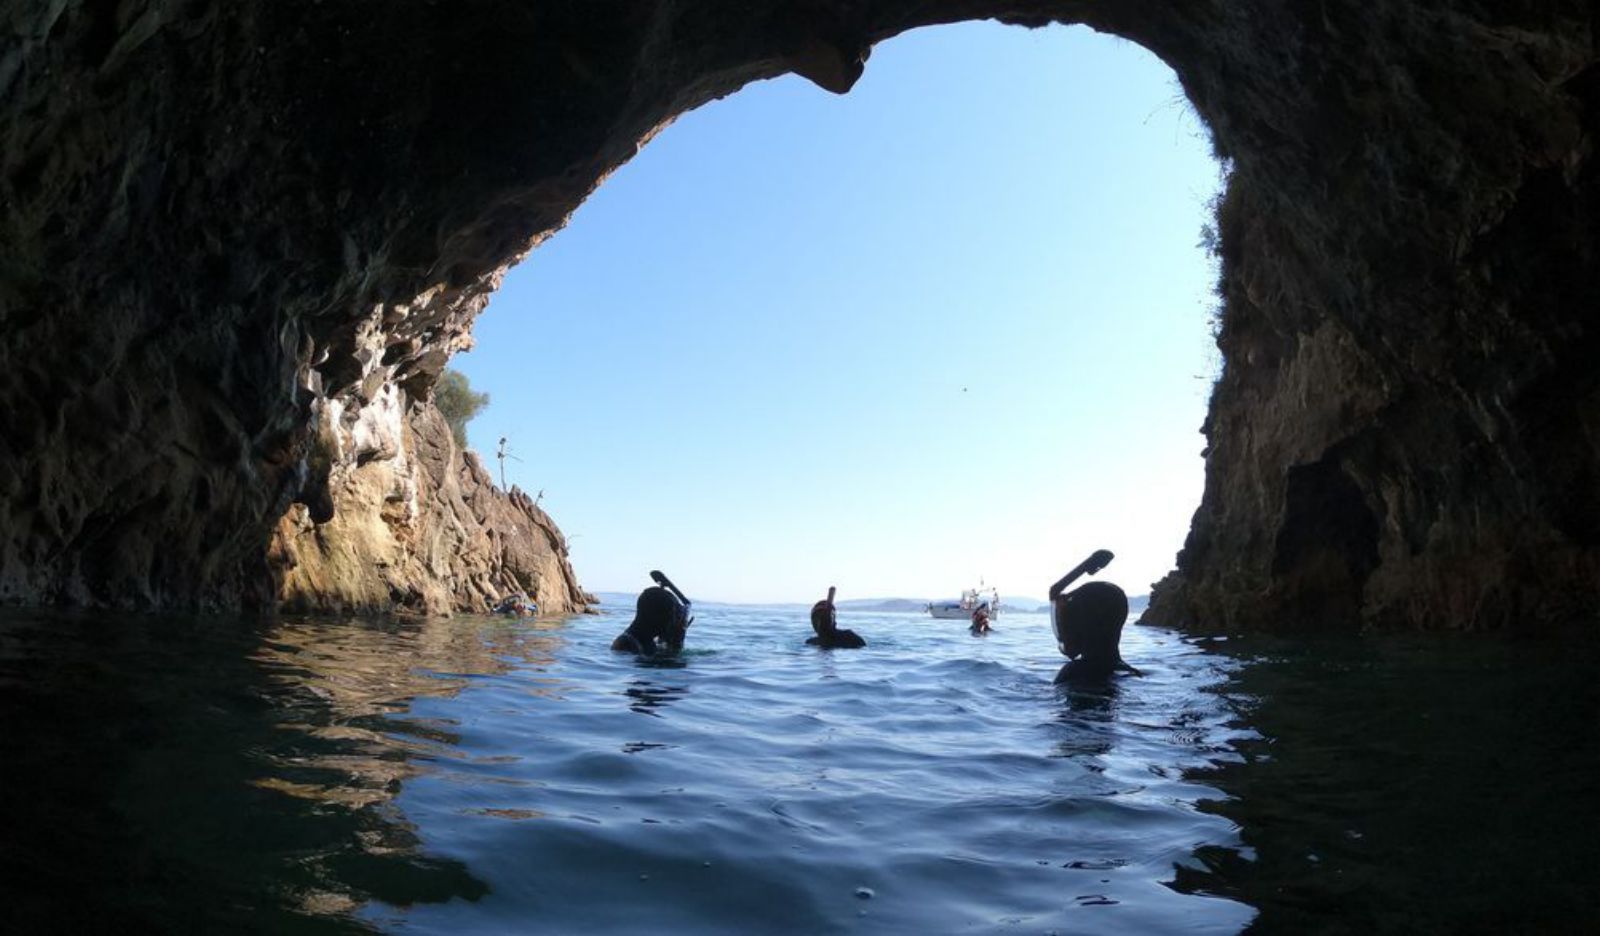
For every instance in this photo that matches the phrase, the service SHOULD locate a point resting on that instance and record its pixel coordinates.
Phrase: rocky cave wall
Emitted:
(230, 230)
(1405, 431)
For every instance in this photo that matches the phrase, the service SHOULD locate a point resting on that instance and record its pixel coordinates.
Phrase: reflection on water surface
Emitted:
(484, 775)
(1411, 785)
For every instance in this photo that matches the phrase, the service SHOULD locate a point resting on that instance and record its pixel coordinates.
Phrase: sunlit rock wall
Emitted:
(229, 229)
(416, 525)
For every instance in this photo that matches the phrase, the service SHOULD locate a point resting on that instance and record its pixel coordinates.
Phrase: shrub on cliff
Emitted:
(456, 400)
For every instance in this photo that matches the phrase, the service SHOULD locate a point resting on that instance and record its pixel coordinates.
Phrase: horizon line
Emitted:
(842, 601)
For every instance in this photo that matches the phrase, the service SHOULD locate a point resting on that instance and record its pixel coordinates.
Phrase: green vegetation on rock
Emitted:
(458, 402)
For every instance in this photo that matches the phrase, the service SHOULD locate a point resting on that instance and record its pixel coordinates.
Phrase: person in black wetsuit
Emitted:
(516, 605)
(1088, 624)
(829, 635)
(660, 624)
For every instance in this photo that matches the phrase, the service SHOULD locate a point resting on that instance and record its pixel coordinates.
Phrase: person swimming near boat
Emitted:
(660, 621)
(980, 620)
(829, 635)
(1088, 624)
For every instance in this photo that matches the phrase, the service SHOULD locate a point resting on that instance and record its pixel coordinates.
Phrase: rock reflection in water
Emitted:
(150, 757)
(346, 690)
(1409, 786)
(354, 684)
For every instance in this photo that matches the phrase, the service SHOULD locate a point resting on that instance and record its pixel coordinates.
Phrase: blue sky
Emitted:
(953, 324)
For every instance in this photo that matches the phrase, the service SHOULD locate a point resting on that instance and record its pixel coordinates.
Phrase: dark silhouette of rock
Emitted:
(230, 231)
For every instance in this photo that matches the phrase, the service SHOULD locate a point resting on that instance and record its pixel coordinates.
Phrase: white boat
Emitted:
(962, 610)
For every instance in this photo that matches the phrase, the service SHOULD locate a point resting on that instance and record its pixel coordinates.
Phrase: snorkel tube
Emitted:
(823, 615)
(1097, 560)
(681, 620)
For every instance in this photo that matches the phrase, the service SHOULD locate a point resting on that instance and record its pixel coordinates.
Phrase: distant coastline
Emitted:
(1011, 603)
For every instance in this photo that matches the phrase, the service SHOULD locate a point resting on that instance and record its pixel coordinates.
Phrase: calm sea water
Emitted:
(489, 776)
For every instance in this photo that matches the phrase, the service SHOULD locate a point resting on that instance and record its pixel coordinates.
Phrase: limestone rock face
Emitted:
(418, 526)
(239, 240)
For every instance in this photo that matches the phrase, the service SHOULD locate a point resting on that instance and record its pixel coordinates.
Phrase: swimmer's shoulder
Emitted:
(1076, 672)
(842, 640)
(627, 643)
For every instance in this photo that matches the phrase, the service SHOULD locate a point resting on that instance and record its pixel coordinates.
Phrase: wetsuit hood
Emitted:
(658, 614)
(1088, 620)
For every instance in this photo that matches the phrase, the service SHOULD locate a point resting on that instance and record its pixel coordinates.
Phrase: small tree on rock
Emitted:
(456, 400)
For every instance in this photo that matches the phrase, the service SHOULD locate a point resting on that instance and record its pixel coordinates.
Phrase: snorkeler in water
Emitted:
(980, 620)
(660, 621)
(829, 635)
(516, 604)
(1088, 624)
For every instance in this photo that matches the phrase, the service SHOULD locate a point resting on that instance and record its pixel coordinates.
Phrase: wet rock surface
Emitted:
(227, 230)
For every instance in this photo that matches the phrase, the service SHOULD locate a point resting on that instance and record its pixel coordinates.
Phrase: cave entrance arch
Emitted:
(232, 240)
(953, 322)
(1404, 345)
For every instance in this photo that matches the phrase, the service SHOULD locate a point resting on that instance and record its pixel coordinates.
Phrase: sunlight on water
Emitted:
(488, 776)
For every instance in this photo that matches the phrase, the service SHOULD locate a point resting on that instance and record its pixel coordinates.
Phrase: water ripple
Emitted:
(488, 776)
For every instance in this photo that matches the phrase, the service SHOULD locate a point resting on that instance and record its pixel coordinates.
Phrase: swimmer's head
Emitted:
(1088, 622)
(822, 619)
(658, 612)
